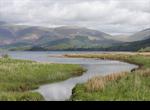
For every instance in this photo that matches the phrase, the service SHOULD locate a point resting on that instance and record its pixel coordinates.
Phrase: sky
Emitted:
(110, 16)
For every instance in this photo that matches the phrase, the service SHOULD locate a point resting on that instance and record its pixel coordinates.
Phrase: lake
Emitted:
(62, 90)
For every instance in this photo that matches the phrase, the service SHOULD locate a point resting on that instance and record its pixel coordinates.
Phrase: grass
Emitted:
(17, 96)
(128, 86)
(147, 49)
(136, 58)
(18, 77)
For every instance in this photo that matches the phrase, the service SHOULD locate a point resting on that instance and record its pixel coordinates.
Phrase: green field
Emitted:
(18, 77)
(131, 86)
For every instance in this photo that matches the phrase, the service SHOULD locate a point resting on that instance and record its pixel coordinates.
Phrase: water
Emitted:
(62, 90)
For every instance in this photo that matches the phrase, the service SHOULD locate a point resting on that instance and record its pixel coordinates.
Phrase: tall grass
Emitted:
(18, 96)
(124, 86)
(99, 83)
(17, 77)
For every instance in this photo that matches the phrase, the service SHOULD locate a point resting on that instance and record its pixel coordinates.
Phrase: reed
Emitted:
(125, 86)
(99, 83)
(95, 84)
(17, 77)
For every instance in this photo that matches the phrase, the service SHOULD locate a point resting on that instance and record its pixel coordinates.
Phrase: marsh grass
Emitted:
(17, 96)
(17, 77)
(99, 83)
(95, 84)
(126, 86)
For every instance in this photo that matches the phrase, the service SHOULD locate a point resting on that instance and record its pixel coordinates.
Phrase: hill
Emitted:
(28, 37)
(142, 35)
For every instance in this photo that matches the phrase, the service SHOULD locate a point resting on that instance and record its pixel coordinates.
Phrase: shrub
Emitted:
(5, 56)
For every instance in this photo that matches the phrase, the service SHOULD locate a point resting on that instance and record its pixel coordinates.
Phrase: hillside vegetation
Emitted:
(20, 37)
(35, 38)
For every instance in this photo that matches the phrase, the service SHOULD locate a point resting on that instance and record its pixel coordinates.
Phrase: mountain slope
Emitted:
(142, 35)
(138, 36)
(17, 36)
(72, 31)
(131, 46)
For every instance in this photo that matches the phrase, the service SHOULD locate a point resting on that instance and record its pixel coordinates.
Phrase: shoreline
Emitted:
(143, 68)
(140, 65)
(43, 86)
(126, 61)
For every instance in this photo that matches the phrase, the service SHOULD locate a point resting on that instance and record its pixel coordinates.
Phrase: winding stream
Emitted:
(62, 90)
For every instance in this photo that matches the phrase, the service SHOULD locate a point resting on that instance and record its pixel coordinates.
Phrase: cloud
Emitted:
(105, 15)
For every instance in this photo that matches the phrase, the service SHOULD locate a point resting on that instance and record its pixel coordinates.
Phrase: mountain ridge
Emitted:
(65, 37)
(13, 35)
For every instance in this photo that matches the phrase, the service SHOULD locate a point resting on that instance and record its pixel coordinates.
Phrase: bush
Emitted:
(5, 56)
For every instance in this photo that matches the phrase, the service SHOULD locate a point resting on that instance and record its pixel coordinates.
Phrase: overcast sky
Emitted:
(110, 16)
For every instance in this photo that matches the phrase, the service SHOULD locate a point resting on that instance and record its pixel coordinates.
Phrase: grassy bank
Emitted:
(131, 86)
(18, 77)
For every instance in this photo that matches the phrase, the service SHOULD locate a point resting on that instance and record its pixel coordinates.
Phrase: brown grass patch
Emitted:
(145, 72)
(95, 84)
(99, 83)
